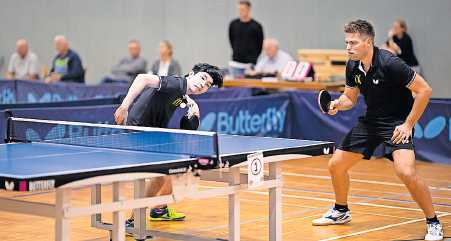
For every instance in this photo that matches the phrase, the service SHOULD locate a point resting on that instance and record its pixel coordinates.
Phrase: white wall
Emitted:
(99, 29)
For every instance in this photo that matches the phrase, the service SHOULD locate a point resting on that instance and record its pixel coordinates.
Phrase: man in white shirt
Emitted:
(23, 64)
(273, 59)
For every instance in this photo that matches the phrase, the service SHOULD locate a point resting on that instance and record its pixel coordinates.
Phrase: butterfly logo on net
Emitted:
(64, 131)
(432, 129)
(56, 132)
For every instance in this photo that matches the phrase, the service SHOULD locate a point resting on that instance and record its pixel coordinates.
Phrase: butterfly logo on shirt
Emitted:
(177, 102)
(375, 81)
(357, 79)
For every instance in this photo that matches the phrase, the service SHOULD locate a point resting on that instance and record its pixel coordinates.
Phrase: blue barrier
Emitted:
(432, 137)
(35, 92)
(7, 92)
(22, 91)
(225, 93)
(257, 116)
(292, 114)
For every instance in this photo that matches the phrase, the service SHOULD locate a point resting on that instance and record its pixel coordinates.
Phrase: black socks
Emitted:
(432, 220)
(341, 208)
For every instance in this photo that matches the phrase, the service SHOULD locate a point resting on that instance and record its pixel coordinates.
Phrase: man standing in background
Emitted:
(23, 64)
(246, 36)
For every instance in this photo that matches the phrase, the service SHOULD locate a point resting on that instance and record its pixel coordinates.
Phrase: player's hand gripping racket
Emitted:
(190, 121)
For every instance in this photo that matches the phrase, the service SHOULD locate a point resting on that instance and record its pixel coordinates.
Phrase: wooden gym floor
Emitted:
(381, 207)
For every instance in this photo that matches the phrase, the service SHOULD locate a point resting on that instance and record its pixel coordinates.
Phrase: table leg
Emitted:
(234, 207)
(139, 214)
(96, 198)
(62, 224)
(118, 216)
(275, 203)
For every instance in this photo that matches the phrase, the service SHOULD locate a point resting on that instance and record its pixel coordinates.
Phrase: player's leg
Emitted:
(357, 144)
(403, 157)
(339, 165)
(404, 163)
(157, 187)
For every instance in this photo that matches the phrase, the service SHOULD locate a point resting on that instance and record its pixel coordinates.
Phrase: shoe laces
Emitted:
(171, 211)
(434, 228)
(330, 212)
(130, 222)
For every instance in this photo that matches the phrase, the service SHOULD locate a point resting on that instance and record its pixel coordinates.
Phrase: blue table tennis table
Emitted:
(65, 163)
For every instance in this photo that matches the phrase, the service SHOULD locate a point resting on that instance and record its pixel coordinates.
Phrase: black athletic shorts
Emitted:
(368, 134)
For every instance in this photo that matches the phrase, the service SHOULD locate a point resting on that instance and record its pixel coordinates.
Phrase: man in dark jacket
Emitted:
(66, 66)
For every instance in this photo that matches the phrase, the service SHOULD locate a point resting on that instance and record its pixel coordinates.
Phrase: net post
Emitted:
(9, 126)
(216, 146)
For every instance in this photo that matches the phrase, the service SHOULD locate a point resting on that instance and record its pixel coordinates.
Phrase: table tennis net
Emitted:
(193, 143)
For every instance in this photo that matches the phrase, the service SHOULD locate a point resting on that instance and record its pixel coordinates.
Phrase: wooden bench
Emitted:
(329, 64)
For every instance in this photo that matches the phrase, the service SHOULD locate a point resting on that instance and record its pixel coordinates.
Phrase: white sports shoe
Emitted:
(435, 232)
(333, 216)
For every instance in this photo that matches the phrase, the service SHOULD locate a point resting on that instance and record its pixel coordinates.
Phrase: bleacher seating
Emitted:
(329, 64)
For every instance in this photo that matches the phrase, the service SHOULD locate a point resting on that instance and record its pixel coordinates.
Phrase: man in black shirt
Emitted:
(400, 43)
(387, 84)
(246, 36)
(159, 97)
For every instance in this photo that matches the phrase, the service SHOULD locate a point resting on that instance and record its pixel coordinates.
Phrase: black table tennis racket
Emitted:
(324, 100)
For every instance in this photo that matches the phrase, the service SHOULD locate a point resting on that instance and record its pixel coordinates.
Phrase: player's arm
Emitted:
(346, 101)
(169, 84)
(139, 84)
(403, 75)
(422, 92)
(393, 46)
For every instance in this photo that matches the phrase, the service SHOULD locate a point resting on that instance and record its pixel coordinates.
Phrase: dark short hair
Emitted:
(215, 73)
(360, 26)
(245, 2)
